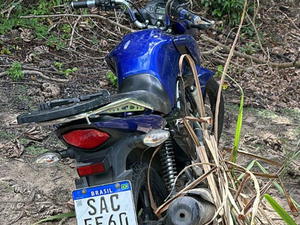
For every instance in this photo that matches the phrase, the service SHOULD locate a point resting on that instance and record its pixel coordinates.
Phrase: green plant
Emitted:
(231, 10)
(281, 212)
(6, 135)
(218, 73)
(5, 51)
(112, 78)
(56, 217)
(249, 48)
(59, 66)
(239, 122)
(55, 41)
(66, 29)
(67, 72)
(43, 29)
(15, 72)
(35, 150)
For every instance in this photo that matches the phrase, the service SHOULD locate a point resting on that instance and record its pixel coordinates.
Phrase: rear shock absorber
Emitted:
(169, 169)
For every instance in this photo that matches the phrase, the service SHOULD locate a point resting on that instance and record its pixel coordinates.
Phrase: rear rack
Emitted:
(119, 106)
(62, 108)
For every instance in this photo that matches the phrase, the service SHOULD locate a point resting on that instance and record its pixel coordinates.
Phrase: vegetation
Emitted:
(231, 10)
(13, 11)
(112, 78)
(68, 71)
(16, 72)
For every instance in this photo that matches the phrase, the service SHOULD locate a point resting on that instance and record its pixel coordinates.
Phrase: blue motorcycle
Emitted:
(114, 138)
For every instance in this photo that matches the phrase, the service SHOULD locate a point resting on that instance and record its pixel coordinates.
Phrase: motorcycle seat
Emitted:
(147, 88)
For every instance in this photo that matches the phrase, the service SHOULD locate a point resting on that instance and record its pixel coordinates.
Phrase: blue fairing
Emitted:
(154, 52)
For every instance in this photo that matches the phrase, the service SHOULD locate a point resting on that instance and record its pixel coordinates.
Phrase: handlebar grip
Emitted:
(85, 4)
(195, 19)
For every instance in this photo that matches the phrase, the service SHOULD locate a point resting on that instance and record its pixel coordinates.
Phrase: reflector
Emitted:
(90, 169)
(86, 139)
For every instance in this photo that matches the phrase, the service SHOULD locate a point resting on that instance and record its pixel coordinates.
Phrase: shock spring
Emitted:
(169, 169)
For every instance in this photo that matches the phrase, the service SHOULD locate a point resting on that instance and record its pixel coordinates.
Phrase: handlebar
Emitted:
(85, 4)
(107, 5)
(194, 20)
(103, 4)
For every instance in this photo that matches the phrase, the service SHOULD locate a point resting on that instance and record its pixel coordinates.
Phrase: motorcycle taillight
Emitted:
(86, 138)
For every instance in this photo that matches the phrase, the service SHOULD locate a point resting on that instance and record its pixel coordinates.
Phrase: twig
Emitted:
(225, 71)
(33, 72)
(89, 15)
(10, 9)
(3, 74)
(37, 69)
(73, 30)
(212, 51)
(297, 28)
(254, 59)
(257, 35)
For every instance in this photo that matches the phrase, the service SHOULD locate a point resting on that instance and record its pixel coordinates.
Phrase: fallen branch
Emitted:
(82, 16)
(10, 9)
(254, 59)
(73, 31)
(32, 72)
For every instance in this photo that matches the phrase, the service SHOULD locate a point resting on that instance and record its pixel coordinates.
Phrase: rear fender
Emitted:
(115, 159)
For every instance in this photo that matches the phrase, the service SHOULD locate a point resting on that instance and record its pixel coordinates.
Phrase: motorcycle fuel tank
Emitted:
(153, 52)
(147, 51)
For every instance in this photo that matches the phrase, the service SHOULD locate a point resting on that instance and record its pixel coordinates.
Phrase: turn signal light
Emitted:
(90, 169)
(156, 137)
(86, 139)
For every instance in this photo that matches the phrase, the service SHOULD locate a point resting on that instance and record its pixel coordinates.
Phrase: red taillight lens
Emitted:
(90, 169)
(87, 138)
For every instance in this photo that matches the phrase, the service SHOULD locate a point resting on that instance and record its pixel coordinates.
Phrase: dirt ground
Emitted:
(271, 120)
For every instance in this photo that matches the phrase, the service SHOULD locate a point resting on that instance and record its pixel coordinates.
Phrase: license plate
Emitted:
(109, 204)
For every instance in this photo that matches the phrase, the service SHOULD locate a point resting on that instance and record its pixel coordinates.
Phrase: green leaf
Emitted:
(239, 123)
(60, 216)
(281, 212)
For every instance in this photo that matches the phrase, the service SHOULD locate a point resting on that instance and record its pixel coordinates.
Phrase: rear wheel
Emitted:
(141, 194)
(210, 100)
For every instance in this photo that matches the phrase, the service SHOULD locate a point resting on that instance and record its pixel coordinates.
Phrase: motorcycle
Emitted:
(114, 138)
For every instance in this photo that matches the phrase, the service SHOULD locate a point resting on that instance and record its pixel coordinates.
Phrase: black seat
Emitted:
(147, 88)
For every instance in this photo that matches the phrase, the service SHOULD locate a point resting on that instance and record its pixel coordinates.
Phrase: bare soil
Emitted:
(271, 120)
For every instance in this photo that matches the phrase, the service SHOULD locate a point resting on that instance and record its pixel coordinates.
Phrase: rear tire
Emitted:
(211, 94)
(140, 192)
